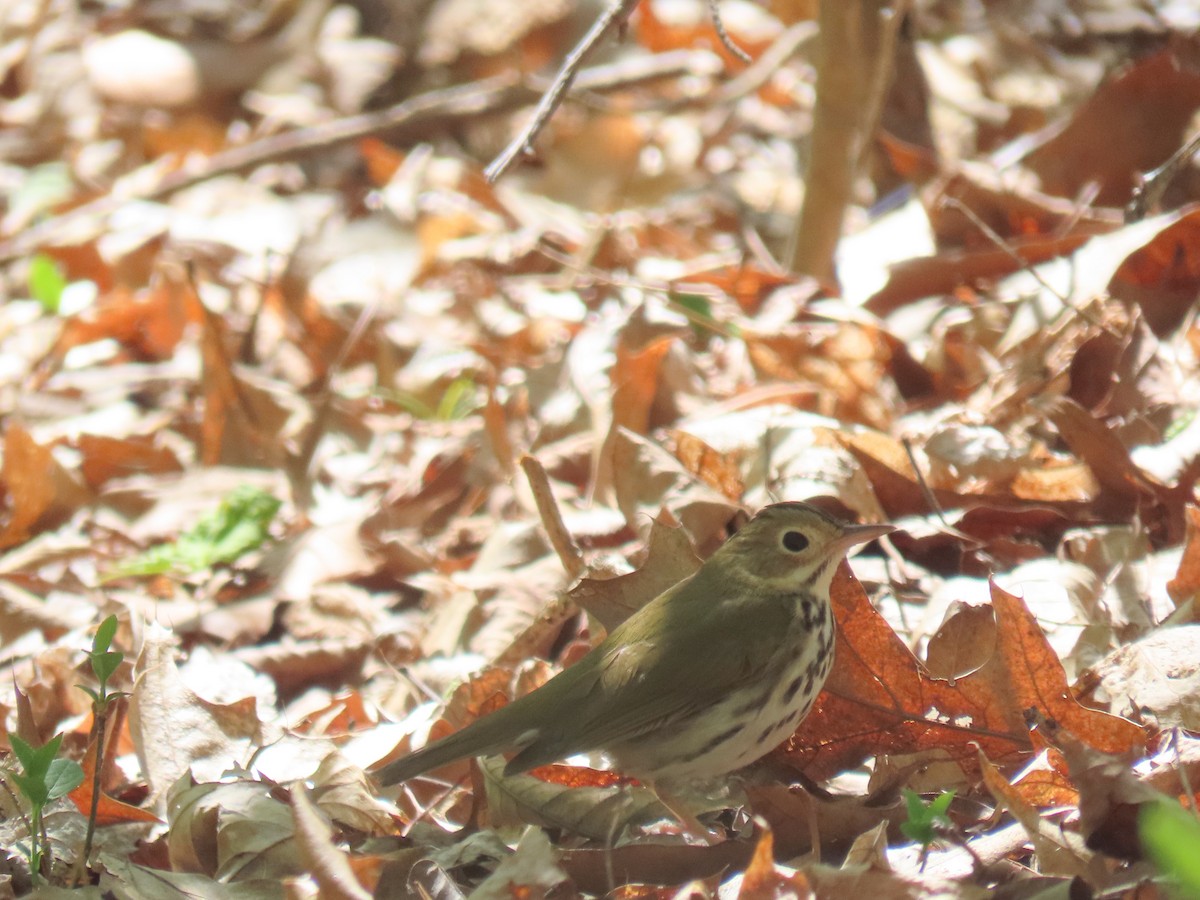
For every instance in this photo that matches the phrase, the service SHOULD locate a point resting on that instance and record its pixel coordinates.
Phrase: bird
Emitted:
(708, 677)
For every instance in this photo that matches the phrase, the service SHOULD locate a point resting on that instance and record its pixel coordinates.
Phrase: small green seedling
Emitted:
(924, 818)
(459, 400)
(699, 312)
(1171, 836)
(105, 663)
(46, 283)
(43, 778)
(240, 524)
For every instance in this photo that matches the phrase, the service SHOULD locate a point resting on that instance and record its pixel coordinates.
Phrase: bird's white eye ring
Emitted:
(794, 541)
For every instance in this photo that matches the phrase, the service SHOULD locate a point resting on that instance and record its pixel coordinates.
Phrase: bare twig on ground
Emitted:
(300, 468)
(992, 235)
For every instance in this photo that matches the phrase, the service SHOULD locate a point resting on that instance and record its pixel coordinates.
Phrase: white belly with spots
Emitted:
(756, 724)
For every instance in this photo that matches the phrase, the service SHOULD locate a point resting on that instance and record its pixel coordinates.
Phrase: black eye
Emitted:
(794, 541)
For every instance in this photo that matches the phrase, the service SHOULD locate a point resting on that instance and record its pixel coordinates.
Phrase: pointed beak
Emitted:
(860, 534)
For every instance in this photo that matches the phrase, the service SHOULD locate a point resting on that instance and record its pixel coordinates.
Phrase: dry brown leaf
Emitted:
(1062, 852)
(717, 470)
(1157, 276)
(1098, 446)
(326, 863)
(763, 881)
(1153, 98)
(636, 381)
(28, 478)
(1156, 679)
(963, 644)
(1110, 795)
(1186, 583)
(669, 559)
(879, 699)
(175, 730)
(647, 479)
(107, 457)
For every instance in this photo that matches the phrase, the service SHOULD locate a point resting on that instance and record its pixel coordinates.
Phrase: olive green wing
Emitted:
(706, 643)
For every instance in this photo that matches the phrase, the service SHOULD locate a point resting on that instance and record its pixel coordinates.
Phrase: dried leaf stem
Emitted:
(560, 539)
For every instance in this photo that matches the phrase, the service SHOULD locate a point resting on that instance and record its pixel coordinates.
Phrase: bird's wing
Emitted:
(705, 647)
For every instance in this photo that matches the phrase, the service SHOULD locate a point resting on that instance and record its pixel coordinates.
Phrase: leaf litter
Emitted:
(357, 445)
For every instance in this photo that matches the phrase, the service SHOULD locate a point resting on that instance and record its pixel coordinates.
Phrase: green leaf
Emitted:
(409, 402)
(1183, 418)
(105, 632)
(40, 771)
(240, 524)
(46, 282)
(26, 754)
(104, 664)
(698, 309)
(458, 401)
(64, 776)
(922, 816)
(1171, 836)
(91, 692)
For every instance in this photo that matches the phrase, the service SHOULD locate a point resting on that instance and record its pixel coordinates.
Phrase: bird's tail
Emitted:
(484, 737)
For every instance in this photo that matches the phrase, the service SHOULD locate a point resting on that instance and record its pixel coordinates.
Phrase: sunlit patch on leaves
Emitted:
(44, 187)
(238, 525)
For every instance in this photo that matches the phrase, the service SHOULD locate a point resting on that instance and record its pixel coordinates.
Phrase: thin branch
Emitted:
(996, 238)
(415, 117)
(726, 41)
(926, 490)
(617, 12)
(1148, 194)
(767, 64)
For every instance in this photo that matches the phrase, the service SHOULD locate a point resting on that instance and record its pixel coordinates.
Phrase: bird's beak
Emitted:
(860, 534)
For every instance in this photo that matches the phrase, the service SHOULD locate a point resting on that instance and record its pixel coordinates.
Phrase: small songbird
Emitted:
(708, 677)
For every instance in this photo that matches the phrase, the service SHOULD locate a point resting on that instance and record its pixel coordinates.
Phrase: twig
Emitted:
(617, 12)
(750, 80)
(1149, 193)
(415, 116)
(926, 490)
(994, 236)
(726, 40)
(560, 538)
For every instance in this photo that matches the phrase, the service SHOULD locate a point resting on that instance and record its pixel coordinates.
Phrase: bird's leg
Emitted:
(675, 805)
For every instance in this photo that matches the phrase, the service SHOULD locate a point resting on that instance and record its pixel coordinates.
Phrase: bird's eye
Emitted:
(794, 541)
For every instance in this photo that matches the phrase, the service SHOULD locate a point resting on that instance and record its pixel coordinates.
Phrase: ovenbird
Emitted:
(706, 678)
